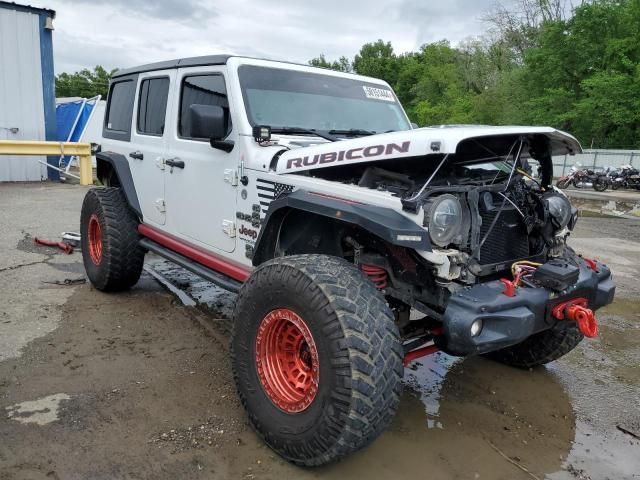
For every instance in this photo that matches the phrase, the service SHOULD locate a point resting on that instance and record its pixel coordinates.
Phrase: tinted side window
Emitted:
(201, 90)
(152, 105)
(117, 123)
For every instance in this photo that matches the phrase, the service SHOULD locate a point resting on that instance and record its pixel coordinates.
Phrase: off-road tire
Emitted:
(358, 350)
(118, 267)
(542, 347)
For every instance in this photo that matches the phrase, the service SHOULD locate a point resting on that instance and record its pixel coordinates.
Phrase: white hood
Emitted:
(409, 143)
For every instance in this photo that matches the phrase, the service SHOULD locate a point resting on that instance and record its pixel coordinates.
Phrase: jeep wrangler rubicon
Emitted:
(356, 243)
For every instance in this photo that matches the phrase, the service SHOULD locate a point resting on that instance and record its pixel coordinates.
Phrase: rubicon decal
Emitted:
(370, 151)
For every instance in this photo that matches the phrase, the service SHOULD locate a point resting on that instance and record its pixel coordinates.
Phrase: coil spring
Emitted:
(376, 274)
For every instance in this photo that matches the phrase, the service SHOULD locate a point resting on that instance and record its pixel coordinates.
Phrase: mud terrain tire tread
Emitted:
(542, 347)
(365, 357)
(122, 257)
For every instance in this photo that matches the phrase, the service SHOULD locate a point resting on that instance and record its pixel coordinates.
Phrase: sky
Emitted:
(125, 33)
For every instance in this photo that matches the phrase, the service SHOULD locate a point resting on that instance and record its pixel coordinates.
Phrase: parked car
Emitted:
(308, 192)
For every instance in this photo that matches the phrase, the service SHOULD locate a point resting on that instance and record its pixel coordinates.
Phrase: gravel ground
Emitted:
(138, 385)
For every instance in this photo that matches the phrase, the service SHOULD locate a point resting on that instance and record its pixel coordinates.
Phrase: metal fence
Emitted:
(595, 159)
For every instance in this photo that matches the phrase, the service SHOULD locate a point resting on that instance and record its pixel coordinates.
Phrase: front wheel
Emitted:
(562, 183)
(317, 357)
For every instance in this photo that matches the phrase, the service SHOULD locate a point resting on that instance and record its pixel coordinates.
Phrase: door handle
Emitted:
(137, 155)
(174, 162)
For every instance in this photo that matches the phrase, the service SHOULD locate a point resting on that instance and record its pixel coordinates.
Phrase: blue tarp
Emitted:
(66, 114)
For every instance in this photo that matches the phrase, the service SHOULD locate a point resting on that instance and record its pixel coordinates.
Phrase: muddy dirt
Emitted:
(149, 394)
(138, 385)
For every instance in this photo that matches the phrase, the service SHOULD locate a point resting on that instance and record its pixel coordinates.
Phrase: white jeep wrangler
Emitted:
(309, 193)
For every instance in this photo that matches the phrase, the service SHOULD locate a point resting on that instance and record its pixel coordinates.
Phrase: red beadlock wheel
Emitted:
(95, 239)
(320, 375)
(287, 360)
(111, 252)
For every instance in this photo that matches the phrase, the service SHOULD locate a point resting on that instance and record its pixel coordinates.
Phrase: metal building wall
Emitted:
(21, 93)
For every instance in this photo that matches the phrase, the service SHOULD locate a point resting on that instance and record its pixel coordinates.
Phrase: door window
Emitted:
(152, 106)
(117, 123)
(201, 90)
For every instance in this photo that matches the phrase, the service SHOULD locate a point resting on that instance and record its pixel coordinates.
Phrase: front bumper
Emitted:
(510, 320)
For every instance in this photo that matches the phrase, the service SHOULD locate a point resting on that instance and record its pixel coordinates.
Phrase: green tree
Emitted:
(85, 83)
(377, 60)
(343, 64)
(543, 62)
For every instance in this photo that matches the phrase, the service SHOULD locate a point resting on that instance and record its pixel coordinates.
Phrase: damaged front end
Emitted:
(486, 215)
(498, 269)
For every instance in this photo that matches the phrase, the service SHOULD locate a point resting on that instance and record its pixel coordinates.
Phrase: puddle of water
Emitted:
(459, 418)
(41, 411)
(594, 456)
(426, 376)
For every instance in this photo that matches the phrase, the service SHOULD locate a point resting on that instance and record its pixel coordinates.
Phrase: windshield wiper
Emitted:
(311, 131)
(352, 131)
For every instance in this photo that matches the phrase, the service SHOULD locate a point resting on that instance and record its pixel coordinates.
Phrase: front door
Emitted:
(149, 141)
(201, 204)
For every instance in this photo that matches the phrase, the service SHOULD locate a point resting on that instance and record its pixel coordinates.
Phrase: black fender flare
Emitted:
(120, 166)
(385, 223)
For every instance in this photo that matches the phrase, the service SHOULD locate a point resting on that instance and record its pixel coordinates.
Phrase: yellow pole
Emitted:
(26, 147)
(86, 170)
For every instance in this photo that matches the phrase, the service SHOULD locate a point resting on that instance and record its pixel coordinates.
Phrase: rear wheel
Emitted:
(316, 356)
(600, 184)
(111, 254)
(542, 347)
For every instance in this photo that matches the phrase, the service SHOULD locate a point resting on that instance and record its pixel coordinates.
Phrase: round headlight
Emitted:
(444, 219)
(560, 209)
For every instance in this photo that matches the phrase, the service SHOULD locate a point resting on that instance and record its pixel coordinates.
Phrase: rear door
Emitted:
(134, 121)
(148, 142)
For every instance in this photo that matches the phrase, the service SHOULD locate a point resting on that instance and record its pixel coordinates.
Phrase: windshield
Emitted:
(287, 98)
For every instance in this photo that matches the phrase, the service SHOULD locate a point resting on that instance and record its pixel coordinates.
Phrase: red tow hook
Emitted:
(576, 311)
(592, 263)
(65, 247)
(509, 287)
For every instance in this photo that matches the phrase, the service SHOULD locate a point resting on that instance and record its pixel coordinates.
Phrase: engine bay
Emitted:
(484, 201)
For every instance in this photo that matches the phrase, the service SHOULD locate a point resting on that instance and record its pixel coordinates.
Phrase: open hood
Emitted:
(411, 143)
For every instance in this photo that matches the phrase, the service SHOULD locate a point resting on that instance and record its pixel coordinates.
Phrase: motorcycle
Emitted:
(582, 178)
(625, 177)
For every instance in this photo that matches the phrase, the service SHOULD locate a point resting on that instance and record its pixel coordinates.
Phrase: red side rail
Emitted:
(197, 254)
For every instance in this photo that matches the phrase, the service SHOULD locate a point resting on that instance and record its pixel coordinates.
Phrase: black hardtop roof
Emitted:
(180, 62)
(204, 60)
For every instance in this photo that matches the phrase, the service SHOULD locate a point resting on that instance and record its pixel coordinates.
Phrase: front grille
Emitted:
(508, 239)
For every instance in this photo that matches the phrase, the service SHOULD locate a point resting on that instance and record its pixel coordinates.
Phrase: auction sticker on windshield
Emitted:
(378, 94)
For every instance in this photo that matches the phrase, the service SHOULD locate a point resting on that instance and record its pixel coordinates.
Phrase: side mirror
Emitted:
(414, 125)
(208, 121)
